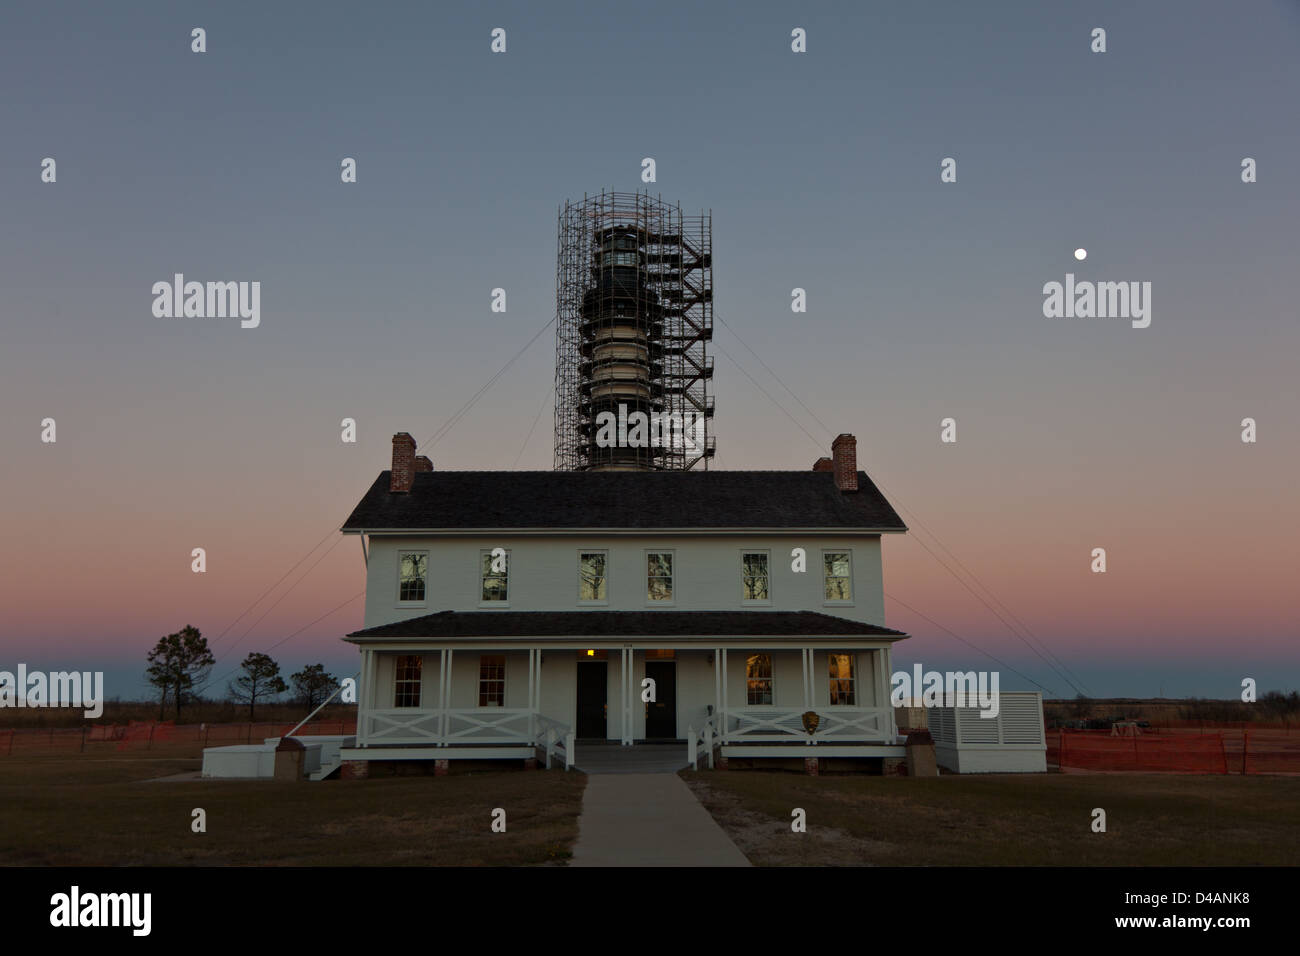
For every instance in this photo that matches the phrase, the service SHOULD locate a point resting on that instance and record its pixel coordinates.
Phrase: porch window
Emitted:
(758, 679)
(842, 679)
(492, 680)
(408, 680)
(591, 577)
(753, 576)
(838, 575)
(495, 575)
(659, 576)
(413, 575)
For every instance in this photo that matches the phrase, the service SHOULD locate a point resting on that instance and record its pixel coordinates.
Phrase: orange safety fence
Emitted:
(1228, 751)
(155, 735)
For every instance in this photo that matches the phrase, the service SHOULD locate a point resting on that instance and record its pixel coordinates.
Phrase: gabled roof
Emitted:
(475, 624)
(543, 500)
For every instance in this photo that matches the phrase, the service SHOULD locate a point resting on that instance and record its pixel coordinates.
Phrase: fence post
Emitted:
(149, 746)
(1245, 749)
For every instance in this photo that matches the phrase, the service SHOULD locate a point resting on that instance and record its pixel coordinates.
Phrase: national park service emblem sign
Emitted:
(810, 722)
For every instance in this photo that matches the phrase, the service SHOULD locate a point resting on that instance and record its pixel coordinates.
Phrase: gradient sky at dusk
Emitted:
(822, 172)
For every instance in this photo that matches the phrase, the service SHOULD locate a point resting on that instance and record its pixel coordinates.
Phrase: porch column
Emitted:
(372, 685)
(534, 690)
(717, 691)
(627, 697)
(805, 654)
(445, 699)
(889, 725)
(362, 701)
(725, 721)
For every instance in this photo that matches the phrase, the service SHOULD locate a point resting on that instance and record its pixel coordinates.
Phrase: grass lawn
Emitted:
(1007, 819)
(107, 811)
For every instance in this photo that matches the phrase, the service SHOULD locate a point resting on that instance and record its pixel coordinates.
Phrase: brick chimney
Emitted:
(844, 451)
(823, 464)
(403, 463)
(423, 463)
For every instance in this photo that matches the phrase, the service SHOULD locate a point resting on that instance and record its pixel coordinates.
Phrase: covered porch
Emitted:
(541, 696)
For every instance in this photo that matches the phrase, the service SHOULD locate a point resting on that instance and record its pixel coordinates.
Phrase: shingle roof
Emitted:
(470, 624)
(627, 500)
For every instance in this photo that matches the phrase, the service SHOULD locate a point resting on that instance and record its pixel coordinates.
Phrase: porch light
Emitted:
(591, 653)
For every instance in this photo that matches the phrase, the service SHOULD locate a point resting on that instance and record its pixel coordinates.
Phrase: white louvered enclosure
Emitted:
(1011, 742)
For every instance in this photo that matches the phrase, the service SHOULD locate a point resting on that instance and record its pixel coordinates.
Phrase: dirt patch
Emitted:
(768, 842)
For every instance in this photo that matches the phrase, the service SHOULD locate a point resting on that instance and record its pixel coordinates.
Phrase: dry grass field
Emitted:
(88, 810)
(1007, 819)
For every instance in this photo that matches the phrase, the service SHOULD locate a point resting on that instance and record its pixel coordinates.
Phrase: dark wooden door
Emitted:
(593, 687)
(661, 715)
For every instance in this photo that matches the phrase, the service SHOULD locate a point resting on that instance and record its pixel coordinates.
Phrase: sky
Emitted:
(822, 171)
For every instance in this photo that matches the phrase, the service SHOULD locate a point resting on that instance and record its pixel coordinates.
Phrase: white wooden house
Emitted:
(514, 614)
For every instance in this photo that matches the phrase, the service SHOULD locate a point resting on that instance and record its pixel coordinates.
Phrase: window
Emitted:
(659, 576)
(408, 681)
(838, 575)
(413, 574)
(495, 575)
(842, 679)
(492, 680)
(758, 679)
(753, 576)
(592, 582)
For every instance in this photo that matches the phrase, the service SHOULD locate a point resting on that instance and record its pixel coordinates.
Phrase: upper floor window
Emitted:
(838, 575)
(754, 576)
(492, 680)
(495, 577)
(841, 673)
(659, 576)
(758, 679)
(409, 667)
(593, 584)
(413, 575)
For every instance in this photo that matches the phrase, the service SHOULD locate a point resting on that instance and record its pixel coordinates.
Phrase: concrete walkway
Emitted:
(648, 819)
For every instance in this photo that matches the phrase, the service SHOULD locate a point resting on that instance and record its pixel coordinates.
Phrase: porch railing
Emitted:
(484, 725)
(701, 741)
(838, 724)
(556, 739)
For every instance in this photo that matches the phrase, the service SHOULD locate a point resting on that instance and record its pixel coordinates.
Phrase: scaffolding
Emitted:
(634, 316)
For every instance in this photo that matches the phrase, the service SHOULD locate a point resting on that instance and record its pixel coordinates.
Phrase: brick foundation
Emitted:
(354, 770)
(441, 768)
(530, 763)
(893, 766)
(811, 766)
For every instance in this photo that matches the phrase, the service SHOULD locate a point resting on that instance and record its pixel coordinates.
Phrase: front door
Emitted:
(661, 714)
(593, 686)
